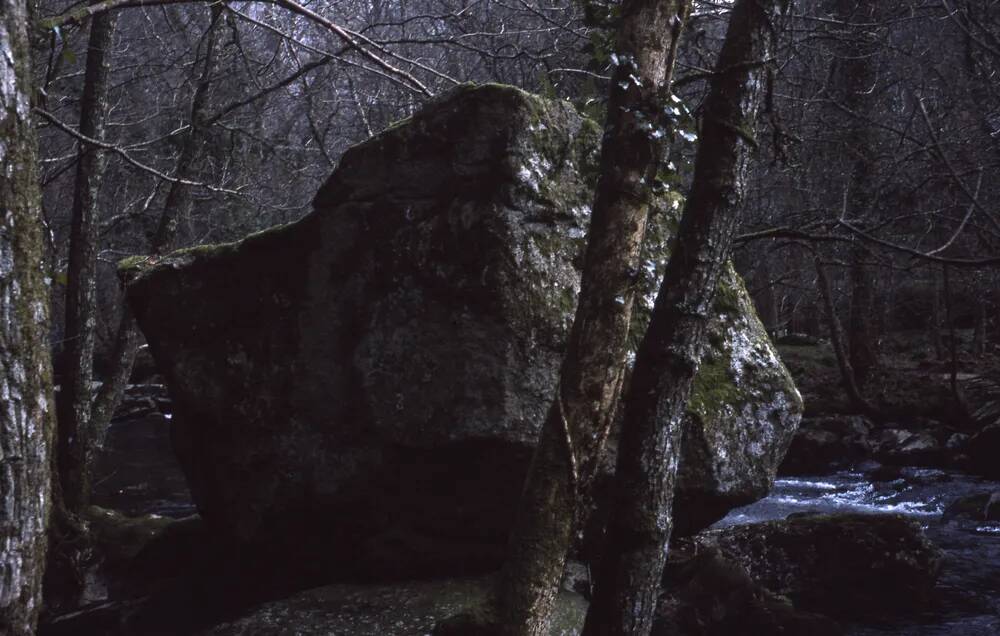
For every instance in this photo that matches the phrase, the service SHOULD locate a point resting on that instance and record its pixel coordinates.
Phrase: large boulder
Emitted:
(361, 389)
(742, 415)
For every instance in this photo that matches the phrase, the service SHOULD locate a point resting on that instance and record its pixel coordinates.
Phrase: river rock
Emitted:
(909, 448)
(707, 595)
(849, 565)
(826, 444)
(357, 394)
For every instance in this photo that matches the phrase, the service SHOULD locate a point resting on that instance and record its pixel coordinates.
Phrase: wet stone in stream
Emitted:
(966, 600)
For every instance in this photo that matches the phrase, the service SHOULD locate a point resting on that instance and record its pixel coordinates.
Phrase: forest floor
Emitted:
(911, 381)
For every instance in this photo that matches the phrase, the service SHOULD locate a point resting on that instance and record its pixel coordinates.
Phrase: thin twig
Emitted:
(127, 157)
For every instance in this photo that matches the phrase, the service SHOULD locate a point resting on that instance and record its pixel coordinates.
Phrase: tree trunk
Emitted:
(75, 437)
(580, 416)
(855, 77)
(935, 318)
(767, 305)
(26, 424)
(979, 329)
(113, 388)
(177, 205)
(628, 577)
(839, 344)
(178, 201)
(952, 337)
(862, 332)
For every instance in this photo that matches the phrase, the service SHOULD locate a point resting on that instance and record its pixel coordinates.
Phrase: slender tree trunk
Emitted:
(577, 423)
(862, 333)
(113, 389)
(979, 329)
(628, 577)
(176, 207)
(26, 424)
(178, 203)
(936, 338)
(767, 308)
(839, 343)
(76, 439)
(854, 79)
(952, 336)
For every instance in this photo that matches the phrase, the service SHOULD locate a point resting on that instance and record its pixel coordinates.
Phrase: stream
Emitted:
(137, 472)
(967, 596)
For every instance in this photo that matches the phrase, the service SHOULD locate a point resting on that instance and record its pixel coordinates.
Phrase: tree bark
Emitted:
(839, 344)
(979, 328)
(26, 424)
(75, 399)
(767, 307)
(628, 577)
(178, 201)
(578, 421)
(855, 78)
(113, 388)
(176, 206)
(952, 338)
(935, 318)
(862, 332)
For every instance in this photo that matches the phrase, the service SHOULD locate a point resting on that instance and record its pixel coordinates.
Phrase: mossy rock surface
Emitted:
(358, 393)
(742, 415)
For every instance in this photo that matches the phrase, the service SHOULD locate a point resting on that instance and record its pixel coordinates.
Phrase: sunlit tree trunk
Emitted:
(26, 425)
(628, 576)
(578, 421)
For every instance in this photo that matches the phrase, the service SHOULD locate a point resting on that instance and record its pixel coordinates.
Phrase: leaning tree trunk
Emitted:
(628, 576)
(25, 375)
(580, 416)
(176, 207)
(75, 435)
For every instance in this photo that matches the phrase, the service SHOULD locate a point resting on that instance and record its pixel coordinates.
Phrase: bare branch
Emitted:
(127, 157)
